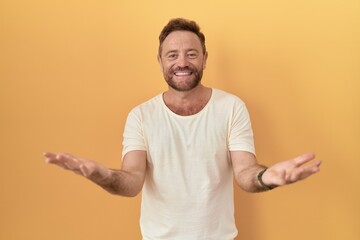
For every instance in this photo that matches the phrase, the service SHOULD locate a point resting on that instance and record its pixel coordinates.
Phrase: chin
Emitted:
(183, 87)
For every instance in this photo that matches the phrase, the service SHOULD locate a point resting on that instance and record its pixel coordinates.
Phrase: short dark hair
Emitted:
(181, 24)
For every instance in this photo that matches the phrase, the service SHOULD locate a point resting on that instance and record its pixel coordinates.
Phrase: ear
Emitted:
(160, 63)
(204, 60)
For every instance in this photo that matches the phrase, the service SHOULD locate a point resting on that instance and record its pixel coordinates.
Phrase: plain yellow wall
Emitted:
(71, 70)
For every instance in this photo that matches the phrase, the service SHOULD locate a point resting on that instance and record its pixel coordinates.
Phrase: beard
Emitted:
(184, 86)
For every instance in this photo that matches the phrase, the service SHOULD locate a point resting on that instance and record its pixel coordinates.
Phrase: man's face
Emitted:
(182, 60)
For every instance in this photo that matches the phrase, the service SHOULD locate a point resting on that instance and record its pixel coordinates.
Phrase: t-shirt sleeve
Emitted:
(133, 138)
(241, 136)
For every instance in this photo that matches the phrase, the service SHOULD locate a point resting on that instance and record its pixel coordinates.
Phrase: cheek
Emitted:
(169, 68)
(164, 66)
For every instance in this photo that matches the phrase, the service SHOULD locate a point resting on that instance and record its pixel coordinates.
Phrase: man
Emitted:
(183, 148)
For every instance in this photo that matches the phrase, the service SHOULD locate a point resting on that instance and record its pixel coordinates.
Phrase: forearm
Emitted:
(251, 176)
(247, 178)
(126, 182)
(120, 182)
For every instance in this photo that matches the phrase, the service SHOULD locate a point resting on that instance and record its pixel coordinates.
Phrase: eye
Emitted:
(172, 56)
(192, 55)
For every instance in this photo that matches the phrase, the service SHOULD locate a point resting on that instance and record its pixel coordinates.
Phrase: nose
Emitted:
(182, 61)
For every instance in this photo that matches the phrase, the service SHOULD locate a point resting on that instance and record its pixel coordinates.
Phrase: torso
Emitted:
(188, 189)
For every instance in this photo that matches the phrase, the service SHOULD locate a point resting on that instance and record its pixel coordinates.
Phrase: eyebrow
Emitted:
(176, 51)
(171, 51)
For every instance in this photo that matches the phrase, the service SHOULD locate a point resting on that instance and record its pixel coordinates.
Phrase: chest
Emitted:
(189, 109)
(203, 136)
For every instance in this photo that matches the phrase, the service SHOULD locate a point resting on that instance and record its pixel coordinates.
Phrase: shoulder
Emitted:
(146, 109)
(148, 106)
(221, 96)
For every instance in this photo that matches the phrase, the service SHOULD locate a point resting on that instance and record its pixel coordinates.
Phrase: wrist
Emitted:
(262, 183)
(100, 174)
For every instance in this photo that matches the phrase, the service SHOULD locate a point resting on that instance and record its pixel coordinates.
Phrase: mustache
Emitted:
(183, 69)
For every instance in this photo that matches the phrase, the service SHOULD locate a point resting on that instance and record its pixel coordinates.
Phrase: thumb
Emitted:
(274, 177)
(85, 171)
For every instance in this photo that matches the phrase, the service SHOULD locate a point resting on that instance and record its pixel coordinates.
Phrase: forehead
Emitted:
(178, 40)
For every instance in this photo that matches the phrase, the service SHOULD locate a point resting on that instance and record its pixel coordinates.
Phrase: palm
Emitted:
(77, 165)
(291, 171)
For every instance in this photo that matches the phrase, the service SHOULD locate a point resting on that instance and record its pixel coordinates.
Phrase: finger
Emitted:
(68, 155)
(63, 160)
(304, 172)
(65, 157)
(313, 167)
(304, 158)
(49, 154)
(52, 156)
(84, 170)
(56, 162)
(49, 157)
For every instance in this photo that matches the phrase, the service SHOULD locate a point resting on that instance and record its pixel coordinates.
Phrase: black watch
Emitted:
(259, 177)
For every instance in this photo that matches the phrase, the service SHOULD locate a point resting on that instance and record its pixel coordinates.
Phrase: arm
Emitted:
(246, 171)
(127, 181)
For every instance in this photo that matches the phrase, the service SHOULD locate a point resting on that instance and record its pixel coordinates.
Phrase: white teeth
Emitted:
(183, 73)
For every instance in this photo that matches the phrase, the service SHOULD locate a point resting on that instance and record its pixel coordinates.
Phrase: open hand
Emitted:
(84, 167)
(291, 171)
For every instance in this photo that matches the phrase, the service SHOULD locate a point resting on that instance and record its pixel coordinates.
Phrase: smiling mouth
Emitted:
(180, 74)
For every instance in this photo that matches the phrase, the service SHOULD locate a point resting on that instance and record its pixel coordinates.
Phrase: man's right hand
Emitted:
(87, 168)
(127, 181)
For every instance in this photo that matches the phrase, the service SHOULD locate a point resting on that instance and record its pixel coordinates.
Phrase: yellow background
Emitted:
(71, 70)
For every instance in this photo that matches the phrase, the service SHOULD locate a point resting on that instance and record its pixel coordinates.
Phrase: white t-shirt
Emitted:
(188, 190)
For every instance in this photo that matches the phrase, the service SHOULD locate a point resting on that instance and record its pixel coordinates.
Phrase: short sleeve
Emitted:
(241, 137)
(133, 138)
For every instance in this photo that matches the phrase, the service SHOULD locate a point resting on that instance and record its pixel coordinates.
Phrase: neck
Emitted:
(187, 103)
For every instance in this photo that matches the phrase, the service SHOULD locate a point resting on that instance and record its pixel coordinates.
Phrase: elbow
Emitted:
(127, 192)
(130, 194)
(247, 187)
(134, 191)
